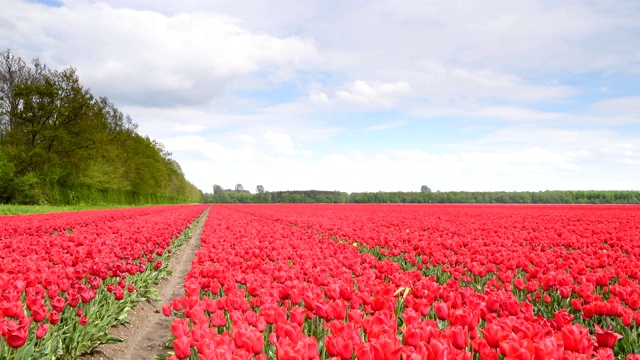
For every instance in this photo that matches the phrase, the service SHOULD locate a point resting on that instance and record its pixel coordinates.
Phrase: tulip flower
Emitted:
(606, 337)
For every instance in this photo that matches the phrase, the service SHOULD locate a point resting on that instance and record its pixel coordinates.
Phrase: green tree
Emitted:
(63, 145)
(14, 71)
(55, 131)
(6, 178)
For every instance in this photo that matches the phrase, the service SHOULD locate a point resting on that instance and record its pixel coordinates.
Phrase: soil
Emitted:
(148, 332)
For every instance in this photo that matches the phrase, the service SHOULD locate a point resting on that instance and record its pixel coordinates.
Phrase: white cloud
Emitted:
(437, 89)
(482, 113)
(385, 126)
(198, 147)
(441, 84)
(282, 143)
(320, 98)
(628, 106)
(189, 128)
(512, 159)
(494, 35)
(611, 112)
(246, 138)
(227, 86)
(373, 94)
(146, 57)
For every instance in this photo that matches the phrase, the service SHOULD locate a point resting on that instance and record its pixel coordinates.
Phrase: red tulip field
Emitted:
(336, 281)
(66, 278)
(412, 282)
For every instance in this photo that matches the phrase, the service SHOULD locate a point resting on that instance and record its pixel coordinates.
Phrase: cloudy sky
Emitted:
(360, 95)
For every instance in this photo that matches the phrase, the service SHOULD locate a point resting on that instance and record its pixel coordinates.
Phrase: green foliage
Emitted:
(6, 177)
(30, 190)
(265, 197)
(39, 209)
(501, 197)
(61, 145)
(308, 196)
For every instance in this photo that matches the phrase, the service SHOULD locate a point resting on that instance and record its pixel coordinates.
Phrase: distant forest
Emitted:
(427, 196)
(61, 145)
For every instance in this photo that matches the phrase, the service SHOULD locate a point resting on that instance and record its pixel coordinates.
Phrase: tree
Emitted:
(54, 132)
(14, 71)
(61, 145)
(217, 189)
(425, 188)
(6, 177)
(116, 120)
(260, 189)
(239, 187)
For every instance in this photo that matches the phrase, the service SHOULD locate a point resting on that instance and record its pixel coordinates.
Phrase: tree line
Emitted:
(501, 197)
(459, 197)
(239, 195)
(60, 144)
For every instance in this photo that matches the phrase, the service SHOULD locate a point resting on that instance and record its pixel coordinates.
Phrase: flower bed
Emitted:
(412, 282)
(66, 278)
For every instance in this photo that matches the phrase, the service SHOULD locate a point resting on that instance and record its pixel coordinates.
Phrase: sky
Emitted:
(358, 96)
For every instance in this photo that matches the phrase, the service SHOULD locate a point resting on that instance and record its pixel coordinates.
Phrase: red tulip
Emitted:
(518, 349)
(339, 346)
(494, 334)
(180, 327)
(182, 347)
(576, 338)
(297, 315)
(42, 330)
(604, 354)
(248, 338)
(413, 335)
(166, 310)
(438, 350)
(549, 348)
(54, 317)
(118, 294)
(442, 310)
(39, 313)
(606, 338)
(386, 347)
(364, 351)
(16, 333)
(458, 336)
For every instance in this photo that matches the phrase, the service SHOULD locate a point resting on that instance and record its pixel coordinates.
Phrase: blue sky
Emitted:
(361, 95)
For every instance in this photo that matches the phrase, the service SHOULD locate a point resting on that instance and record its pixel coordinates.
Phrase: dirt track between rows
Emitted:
(149, 330)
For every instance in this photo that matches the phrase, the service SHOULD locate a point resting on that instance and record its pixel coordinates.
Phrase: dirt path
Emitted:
(149, 330)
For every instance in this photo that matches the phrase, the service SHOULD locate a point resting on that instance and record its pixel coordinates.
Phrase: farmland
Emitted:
(66, 278)
(334, 281)
(412, 282)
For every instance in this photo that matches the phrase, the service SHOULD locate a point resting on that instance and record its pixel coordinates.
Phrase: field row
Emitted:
(412, 282)
(332, 281)
(66, 278)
